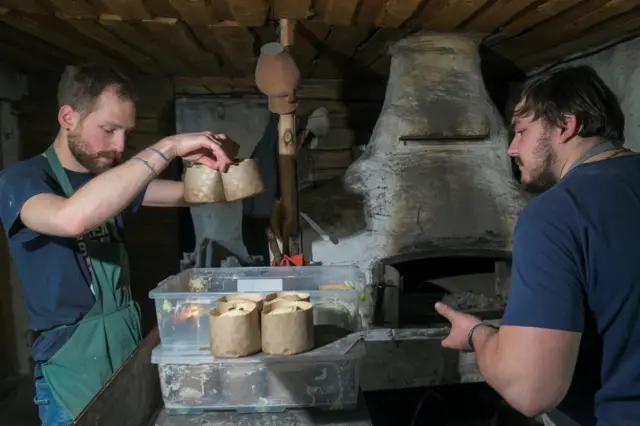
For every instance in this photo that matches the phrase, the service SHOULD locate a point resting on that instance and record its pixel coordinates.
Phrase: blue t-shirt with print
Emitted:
(56, 284)
(576, 267)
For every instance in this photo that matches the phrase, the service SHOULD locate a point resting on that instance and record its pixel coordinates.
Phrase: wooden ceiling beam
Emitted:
(76, 8)
(234, 44)
(194, 12)
(265, 34)
(162, 8)
(336, 12)
(144, 43)
(35, 45)
(54, 31)
(376, 46)
(28, 6)
(128, 10)
(340, 46)
(538, 13)
(369, 11)
(179, 40)
(93, 30)
(292, 9)
(309, 37)
(202, 12)
(496, 15)
(621, 27)
(397, 12)
(565, 26)
(446, 15)
(250, 13)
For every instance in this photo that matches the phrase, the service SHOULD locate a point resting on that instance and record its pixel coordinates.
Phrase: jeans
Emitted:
(50, 412)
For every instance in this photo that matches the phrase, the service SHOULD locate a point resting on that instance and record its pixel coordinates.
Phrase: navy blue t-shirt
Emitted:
(576, 267)
(55, 278)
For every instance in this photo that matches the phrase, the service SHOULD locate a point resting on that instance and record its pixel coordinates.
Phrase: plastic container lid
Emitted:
(349, 348)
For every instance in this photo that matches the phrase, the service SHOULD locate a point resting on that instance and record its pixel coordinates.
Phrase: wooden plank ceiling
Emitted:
(334, 39)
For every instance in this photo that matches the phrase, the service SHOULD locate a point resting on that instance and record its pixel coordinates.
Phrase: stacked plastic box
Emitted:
(193, 380)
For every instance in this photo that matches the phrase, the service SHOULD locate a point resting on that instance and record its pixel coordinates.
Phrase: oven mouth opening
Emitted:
(475, 284)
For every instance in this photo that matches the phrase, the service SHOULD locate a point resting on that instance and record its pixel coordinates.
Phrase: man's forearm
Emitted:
(111, 192)
(485, 341)
(498, 371)
(165, 193)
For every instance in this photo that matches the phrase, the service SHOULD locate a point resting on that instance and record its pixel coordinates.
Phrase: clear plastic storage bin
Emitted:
(196, 381)
(183, 301)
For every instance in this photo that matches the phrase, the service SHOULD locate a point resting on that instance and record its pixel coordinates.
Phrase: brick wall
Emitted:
(152, 235)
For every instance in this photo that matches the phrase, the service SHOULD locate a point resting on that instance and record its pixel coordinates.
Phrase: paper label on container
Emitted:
(273, 284)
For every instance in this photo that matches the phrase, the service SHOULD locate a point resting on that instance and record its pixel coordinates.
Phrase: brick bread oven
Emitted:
(435, 180)
(427, 210)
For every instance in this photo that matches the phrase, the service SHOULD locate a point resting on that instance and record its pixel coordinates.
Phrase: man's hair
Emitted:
(80, 86)
(577, 91)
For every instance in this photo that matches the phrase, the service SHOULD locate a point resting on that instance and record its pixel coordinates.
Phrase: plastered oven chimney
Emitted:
(435, 176)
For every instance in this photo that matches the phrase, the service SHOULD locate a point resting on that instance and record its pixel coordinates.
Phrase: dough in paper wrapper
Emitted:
(256, 298)
(287, 296)
(202, 184)
(287, 327)
(235, 330)
(242, 180)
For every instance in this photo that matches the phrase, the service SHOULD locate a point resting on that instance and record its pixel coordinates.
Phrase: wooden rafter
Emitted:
(571, 23)
(495, 16)
(127, 9)
(340, 45)
(446, 15)
(537, 13)
(52, 30)
(144, 43)
(76, 8)
(233, 43)
(249, 13)
(334, 37)
(336, 12)
(394, 13)
(292, 9)
(195, 13)
(311, 37)
(623, 26)
(163, 9)
(28, 6)
(97, 32)
(180, 42)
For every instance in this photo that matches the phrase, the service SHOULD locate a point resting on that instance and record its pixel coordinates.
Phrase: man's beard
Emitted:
(91, 162)
(541, 177)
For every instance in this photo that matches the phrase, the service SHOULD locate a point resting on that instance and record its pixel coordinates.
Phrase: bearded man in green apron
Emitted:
(62, 213)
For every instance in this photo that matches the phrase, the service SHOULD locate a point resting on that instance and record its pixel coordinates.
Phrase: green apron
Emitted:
(108, 333)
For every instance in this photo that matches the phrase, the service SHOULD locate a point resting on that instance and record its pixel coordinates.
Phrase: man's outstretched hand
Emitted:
(461, 324)
(212, 150)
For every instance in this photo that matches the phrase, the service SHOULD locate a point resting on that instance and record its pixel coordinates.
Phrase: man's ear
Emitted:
(68, 117)
(570, 128)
